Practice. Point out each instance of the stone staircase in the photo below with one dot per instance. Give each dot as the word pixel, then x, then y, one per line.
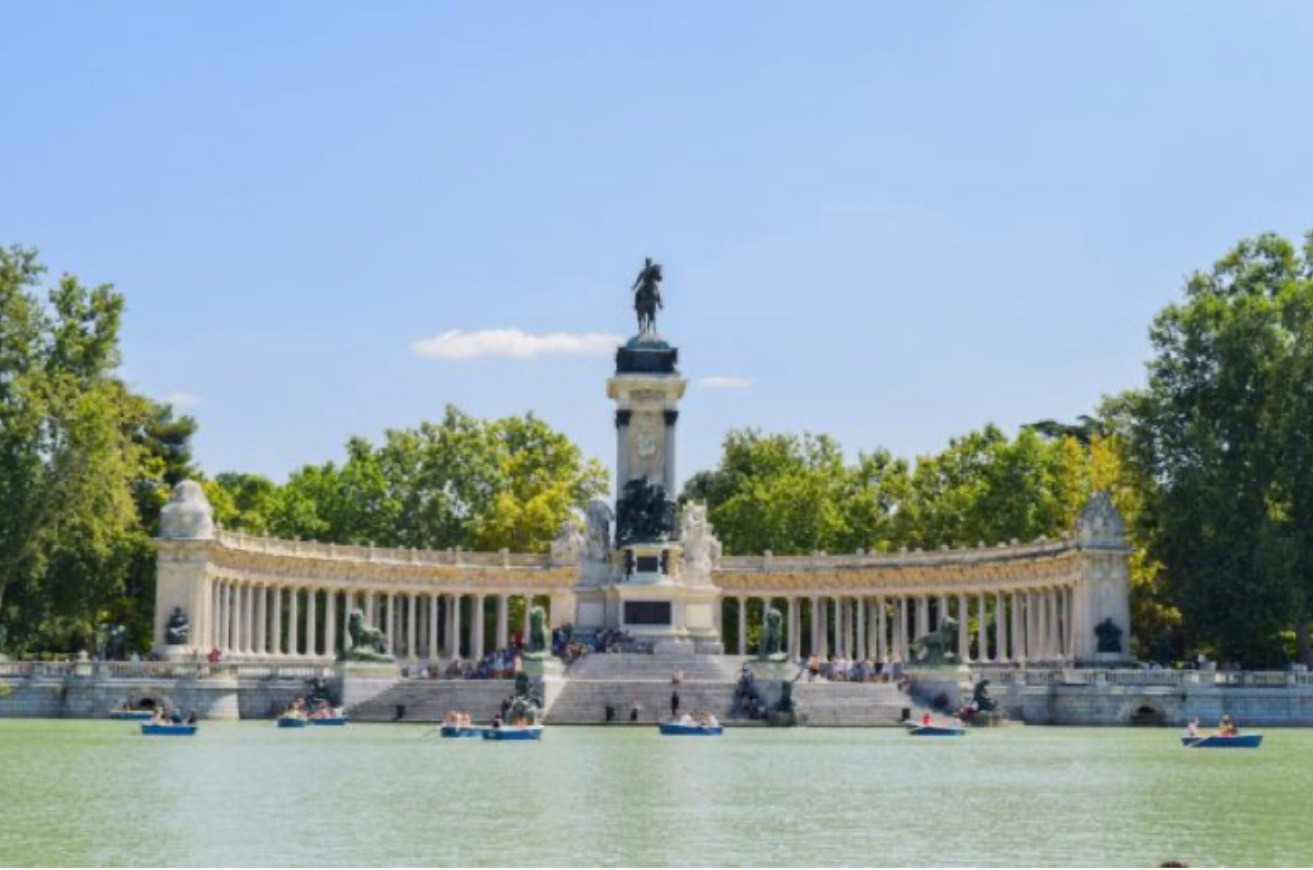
pixel 584 702
pixel 852 704
pixel 656 667
pixel 431 700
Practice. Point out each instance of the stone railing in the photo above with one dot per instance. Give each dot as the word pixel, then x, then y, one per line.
pixel 393 555
pixel 287 670
pixel 767 562
pixel 1141 677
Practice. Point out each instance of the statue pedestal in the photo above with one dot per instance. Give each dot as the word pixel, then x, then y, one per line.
pixel 939 686
pixel 175 652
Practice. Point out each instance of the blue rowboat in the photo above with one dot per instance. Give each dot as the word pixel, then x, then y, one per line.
pixel 291 722
pixel 329 720
pixel 1218 741
pixel 132 715
pixel 514 732
pixel 161 729
pixel 455 731
pixel 673 729
pixel 935 731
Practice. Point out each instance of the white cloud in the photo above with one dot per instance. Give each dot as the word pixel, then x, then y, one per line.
pixel 724 382
pixel 183 400
pixel 457 344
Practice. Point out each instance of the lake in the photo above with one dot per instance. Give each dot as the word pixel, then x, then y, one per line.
pixel 95 792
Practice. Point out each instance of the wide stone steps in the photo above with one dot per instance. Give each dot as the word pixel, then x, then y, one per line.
pixel 584 702
pixel 852 704
pixel 431 700
pixel 661 667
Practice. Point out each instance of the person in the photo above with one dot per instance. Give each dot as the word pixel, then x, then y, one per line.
pixel 677 677
pixel 1192 728
pixel 674 704
pixel 633 712
pixel 191 717
pixel 1226 727
pixel 926 721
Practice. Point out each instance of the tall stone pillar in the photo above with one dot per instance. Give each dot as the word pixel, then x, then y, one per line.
pixel 1019 627
pixel 293 621
pixel 963 628
pixel 982 630
pixel 330 623
pixel 432 650
pixel 503 622
pixel 840 642
pixel 311 622
pixel 390 630
pixel 412 631
pixel 942 611
pixel 248 617
pixel 527 625
pixel 479 619
pixel 859 607
pixel 881 643
pixel 795 628
pixel 743 625
pixel 276 635
pixel 1000 629
pixel 922 617
pixel 225 600
pixel 261 620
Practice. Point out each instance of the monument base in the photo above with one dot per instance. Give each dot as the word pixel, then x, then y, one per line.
pixel 175 652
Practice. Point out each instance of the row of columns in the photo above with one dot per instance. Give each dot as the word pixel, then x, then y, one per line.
pixel 1029 625
pixel 253 619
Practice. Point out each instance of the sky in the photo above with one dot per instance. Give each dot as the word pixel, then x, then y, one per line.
pixel 893 223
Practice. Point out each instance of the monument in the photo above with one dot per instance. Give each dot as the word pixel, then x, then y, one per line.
pixel 651 576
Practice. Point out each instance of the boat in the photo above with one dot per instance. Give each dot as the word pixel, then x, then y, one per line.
pixel 677 727
pixel 513 732
pixel 1223 741
pixel 132 715
pixel 451 730
pixel 292 721
pixel 328 720
pixel 160 729
pixel 936 730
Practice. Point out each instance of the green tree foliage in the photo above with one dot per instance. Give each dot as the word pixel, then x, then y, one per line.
pixel 68 457
pixel 463 482
pixel 1221 438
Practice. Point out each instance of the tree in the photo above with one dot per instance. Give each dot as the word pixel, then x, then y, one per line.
pixel 67 457
pixel 1221 437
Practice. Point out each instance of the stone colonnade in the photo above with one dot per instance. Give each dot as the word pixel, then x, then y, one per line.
pixel 1014 626
pixel 267 620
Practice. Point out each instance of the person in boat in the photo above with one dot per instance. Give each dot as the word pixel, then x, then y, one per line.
pixel 496 722
pixel 191 718
pixel 927 721
pixel 1226 728
pixel 1192 728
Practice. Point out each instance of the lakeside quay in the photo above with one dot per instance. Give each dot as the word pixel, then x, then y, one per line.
pixel 580 695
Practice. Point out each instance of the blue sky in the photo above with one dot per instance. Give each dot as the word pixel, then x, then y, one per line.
pixel 895 223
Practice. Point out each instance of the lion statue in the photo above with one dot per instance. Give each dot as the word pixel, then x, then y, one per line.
pixel 366 642
pixel 936 648
pixel 539 639
pixel 772 643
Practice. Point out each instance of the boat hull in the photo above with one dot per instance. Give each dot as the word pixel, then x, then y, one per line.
pixel 131 715
pixel 291 722
pixel 329 721
pixel 677 729
pixel 514 732
pixel 1217 741
pixel 156 730
pixel 455 732
pixel 935 731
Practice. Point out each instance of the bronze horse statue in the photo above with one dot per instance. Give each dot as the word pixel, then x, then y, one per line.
pixel 647 295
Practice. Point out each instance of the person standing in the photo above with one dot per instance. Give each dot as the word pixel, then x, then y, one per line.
pixel 674 704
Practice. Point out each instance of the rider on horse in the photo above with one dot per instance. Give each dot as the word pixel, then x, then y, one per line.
pixel 647 295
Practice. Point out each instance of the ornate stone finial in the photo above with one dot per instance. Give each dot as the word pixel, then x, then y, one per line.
pixel 188 515
pixel 1099 525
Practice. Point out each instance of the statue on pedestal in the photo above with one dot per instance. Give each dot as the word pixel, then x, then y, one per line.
pixel 539 641
pixel 772 643
pixel 366 642
pixel 1110 636
pixel 178 629
pixel 936 648
pixel 647 295
pixel 644 514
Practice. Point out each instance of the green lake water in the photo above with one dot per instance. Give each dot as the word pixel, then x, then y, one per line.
pixel 78 793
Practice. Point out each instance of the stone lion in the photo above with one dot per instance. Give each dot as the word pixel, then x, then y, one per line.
pixel 367 642
pixel 936 648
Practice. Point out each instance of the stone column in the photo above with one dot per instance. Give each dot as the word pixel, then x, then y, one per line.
pixel 942 611
pixel 743 625
pixel 276 632
pixel 795 627
pixel 1034 648
pixel 330 623
pixel 1000 629
pixel 432 649
pixel 881 641
pixel 412 611
pixel 528 623
pixel 248 618
pixel 859 606
pixel 503 622
pixel 223 616
pixel 311 622
pixel 456 645
pixel 390 625
pixel 669 481
pixel 261 623
pixel 293 622
pixel 840 648
pixel 922 617
pixel 370 610
pixel 982 630
pixel 477 640
pixel 1019 627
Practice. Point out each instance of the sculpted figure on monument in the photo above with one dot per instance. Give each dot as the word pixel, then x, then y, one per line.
pixel 597 537
pixel 178 628
pixel 1110 636
pixel 644 513
pixel 568 545
pixel 367 643
pixel 539 642
pixel 771 647
pixel 701 546
pixel 647 295
pixel 936 648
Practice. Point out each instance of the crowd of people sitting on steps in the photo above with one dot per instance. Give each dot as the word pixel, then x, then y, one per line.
pixel 838 669
pixel 747 699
